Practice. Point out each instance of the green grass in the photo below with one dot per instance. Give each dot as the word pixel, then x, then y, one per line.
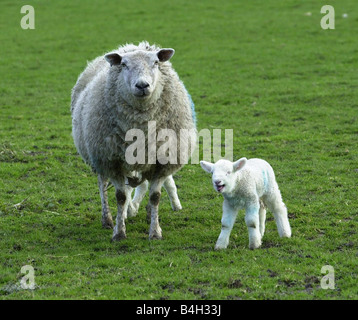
pixel 287 88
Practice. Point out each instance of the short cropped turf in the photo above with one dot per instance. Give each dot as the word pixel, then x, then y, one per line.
pixel 266 69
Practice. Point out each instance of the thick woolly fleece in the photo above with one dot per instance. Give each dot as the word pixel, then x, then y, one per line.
pixel 102 116
pixel 103 110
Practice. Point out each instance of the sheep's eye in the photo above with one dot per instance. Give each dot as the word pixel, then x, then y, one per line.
pixel 123 65
pixel 229 172
pixel 156 62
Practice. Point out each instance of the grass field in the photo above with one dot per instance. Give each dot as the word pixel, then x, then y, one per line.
pixel 265 69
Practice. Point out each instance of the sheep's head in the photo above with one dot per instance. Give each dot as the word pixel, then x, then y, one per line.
pixel 224 173
pixel 138 72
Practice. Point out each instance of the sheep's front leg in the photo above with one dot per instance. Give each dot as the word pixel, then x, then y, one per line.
pixel 123 197
pixel 171 189
pixel 107 221
pixel 253 224
pixel 155 232
pixel 227 222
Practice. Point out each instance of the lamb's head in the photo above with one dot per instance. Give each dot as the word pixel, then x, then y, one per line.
pixel 224 173
pixel 138 72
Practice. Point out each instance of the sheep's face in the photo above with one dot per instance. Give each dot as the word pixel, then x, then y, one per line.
pixel 138 71
pixel 224 173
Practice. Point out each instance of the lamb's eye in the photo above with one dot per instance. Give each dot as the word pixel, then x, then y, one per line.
pixel 123 65
pixel 227 173
pixel 156 62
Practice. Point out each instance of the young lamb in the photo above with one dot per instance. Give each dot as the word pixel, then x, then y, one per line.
pixel 250 185
pixel 123 90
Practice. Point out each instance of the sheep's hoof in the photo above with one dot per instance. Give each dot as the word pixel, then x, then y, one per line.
pixel 177 207
pixel 155 237
pixel 132 210
pixel 118 236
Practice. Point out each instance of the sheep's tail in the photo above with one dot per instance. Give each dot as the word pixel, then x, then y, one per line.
pixel 192 105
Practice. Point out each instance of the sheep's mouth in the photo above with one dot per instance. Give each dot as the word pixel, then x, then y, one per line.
pixel 220 187
pixel 141 94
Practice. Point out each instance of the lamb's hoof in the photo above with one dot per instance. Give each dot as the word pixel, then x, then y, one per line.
pixel 107 223
pixel 253 246
pixel 286 234
pixel 155 235
pixel 118 236
pixel 217 247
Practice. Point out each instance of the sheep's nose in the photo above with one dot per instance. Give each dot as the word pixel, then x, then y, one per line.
pixel 218 182
pixel 141 85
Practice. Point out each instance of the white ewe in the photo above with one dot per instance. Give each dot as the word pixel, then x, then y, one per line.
pixel 123 90
pixel 250 185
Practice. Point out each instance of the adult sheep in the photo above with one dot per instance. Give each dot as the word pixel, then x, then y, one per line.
pixel 126 89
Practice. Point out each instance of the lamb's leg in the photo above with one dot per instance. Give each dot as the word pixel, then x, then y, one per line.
pixel 253 224
pixel 139 194
pixel 262 216
pixel 107 221
pixel 122 196
pixel 171 189
pixel 155 232
pixel 227 222
pixel 279 210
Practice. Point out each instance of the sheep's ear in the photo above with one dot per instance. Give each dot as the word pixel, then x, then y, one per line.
pixel 239 164
pixel 207 166
pixel 114 59
pixel 165 54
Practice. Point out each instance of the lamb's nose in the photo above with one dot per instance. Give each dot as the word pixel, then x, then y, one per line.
pixel 142 85
pixel 218 182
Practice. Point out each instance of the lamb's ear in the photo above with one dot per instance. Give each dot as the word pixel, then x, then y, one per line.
pixel 165 54
pixel 207 166
pixel 239 164
pixel 114 59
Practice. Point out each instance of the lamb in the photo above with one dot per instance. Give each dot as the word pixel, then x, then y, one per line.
pixel 122 90
pixel 250 185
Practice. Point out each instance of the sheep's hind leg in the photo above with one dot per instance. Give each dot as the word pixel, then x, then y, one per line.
pixel 107 221
pixel 170 187
pixel 262 217
pixel 279 210
pixel 123 197
pixel 139 194
pixel 155 232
